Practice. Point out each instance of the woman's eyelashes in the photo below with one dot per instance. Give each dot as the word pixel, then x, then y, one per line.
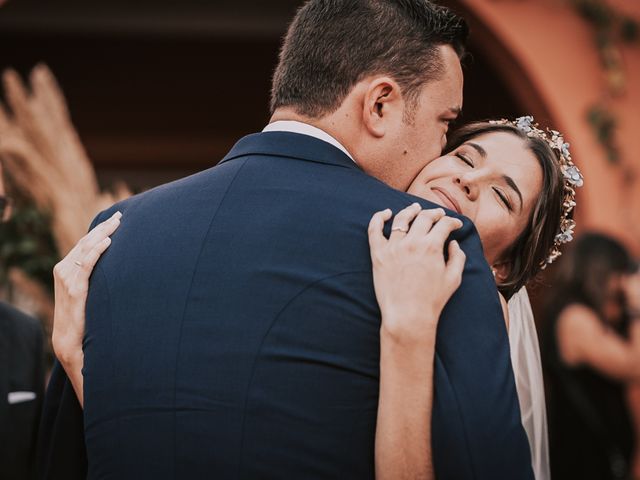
pixel 503 198
pixel 465 159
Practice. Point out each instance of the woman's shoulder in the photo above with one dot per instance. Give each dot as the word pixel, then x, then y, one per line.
pixel 578 315
pixel 577 327
pixel 578 321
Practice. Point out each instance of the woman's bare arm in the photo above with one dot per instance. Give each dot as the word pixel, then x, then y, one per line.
pixel 402 266
pixel 583 339
pixel 71 285
pixel 403 429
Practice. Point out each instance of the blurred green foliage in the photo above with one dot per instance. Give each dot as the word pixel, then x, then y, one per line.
pixel 607 21
pixel 26 242
pixel 610 26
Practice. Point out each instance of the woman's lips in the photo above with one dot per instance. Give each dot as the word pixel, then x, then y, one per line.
pixel 447 199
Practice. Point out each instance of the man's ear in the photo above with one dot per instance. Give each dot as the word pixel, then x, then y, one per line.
pixel 382 102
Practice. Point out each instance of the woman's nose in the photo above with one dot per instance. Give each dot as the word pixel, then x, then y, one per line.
pixel 468 185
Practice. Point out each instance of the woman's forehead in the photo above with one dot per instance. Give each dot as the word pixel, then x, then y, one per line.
pixel 505 150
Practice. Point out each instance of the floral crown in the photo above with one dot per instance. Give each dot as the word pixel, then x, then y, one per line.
pixel 572 178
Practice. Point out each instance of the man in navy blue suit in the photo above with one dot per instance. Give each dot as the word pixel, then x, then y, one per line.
pixel 232 327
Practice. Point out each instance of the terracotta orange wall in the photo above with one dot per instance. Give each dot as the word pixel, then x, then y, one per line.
pixel 552 47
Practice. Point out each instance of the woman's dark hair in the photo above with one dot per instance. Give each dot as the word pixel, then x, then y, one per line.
pixel 333 44
pixel 525 257
pixel 584 273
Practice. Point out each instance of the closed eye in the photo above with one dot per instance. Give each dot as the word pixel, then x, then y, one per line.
pixel 465 159
pixel 504 198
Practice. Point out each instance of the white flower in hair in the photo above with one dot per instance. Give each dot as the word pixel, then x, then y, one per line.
pixel 571 175
pixel 566 232
pixel 525 123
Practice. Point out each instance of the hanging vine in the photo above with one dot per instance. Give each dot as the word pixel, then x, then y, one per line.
pixel 611 29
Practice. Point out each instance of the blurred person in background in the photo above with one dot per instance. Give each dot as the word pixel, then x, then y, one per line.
pixel 592 351
pixel 21 382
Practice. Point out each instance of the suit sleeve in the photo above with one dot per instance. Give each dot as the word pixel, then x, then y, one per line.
pixel 476 412
pixel 61 449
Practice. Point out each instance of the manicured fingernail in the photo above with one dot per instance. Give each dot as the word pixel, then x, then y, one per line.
pixel 118 214
pixel 107 240
pixel 388 211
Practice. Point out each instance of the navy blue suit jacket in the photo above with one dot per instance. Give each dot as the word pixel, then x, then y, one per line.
pixel 233 331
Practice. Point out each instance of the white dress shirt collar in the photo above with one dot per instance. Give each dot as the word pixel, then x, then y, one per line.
pixel 294 126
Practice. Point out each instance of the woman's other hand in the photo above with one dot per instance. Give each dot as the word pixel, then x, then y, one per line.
pixel 412 280
pixel 71 285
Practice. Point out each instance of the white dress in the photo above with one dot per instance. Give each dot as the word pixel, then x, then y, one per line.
pixel 527 368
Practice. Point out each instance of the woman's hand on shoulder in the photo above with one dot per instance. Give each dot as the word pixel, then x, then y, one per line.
pixel 412 280
pixel 71 285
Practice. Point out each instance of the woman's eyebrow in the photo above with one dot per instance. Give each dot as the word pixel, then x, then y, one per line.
pixel 478 148
pixel 514 187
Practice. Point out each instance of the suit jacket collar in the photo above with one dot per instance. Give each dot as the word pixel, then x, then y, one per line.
pixel 292 145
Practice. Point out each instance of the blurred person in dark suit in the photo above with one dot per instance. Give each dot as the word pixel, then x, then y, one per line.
pixel 592 350
pixel 21 382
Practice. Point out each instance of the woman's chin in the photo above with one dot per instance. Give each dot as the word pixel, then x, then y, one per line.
pixel 427 194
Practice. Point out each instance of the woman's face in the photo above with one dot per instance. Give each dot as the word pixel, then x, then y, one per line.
pixel 493 179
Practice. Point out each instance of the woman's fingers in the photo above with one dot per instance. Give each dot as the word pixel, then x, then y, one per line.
pixel 91 258
pixel 94 237
pixel 99 233
pixel 401 222
pixel 424 222
pixel 413 223
pixel 455 264
pixel 376 227
pixel 79 262
pixel 441 231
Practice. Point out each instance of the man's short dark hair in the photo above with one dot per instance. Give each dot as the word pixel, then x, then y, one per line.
pixel 333 44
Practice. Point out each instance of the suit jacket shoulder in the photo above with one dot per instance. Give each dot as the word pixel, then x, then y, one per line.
pixel 236 308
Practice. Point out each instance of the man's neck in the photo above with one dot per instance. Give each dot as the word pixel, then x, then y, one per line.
pixel 327 124
pixel 343 126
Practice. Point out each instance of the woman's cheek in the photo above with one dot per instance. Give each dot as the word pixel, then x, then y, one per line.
pixel 487 229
